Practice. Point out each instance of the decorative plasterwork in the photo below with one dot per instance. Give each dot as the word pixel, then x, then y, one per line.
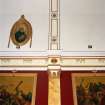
pixel 21 32
pixel 54 25
pixel 23 62
pixel 83 61
pixel 52 62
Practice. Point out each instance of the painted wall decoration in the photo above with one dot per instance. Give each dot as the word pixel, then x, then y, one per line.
pixel 18 88
pixel 21 33
pixel 88 88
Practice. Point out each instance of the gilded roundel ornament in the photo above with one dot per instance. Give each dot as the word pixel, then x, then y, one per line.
pixel 21 32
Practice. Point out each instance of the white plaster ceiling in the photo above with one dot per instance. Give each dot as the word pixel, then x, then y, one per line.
pixel 82 24
pixel 35 11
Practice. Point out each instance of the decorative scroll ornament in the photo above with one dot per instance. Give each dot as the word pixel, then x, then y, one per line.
pixel 21 33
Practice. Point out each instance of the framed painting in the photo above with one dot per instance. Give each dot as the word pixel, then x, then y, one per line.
pixel 18 88
pixel 88 88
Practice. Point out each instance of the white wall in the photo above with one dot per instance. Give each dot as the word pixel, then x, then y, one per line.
pixel 82 23
pixel 35 11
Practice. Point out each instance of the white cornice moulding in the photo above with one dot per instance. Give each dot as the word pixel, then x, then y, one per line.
pixel 52 62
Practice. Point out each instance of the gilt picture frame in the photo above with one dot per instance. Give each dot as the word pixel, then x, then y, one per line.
pixel 18 88
pixel 88 88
